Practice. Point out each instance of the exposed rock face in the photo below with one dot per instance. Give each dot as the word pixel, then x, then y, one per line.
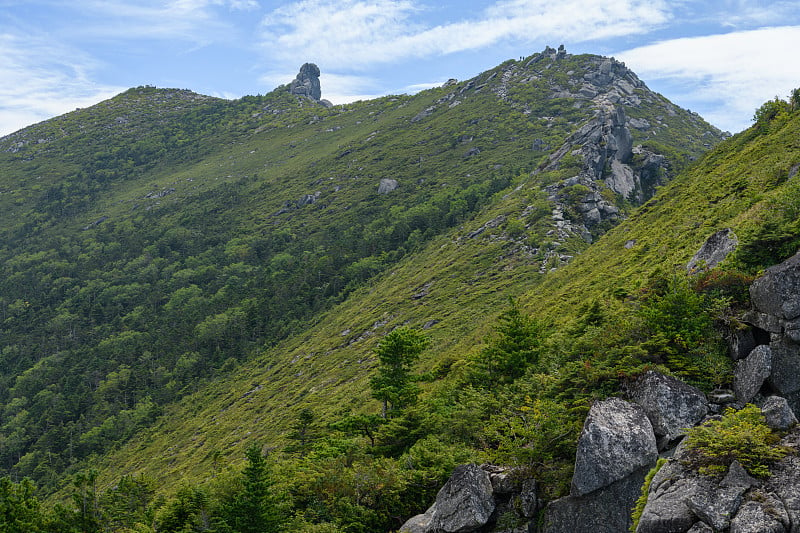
pixel 678 498
pixel 307 82
pixel 603 511
pixel 601 142
pixel 617 440
pixel 670 404
pixel 605 147
pixel 714 250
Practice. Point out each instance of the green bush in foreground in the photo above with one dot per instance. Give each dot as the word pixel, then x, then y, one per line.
pixel 739 435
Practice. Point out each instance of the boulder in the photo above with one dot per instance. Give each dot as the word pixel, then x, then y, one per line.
pixel 670 404
pixel 387 185
pixel 527 502
pixel 714 250
pixel 607 510
pixel 617 440
pixel 777 413
pixel 667 509
pixel 784 376
pixel 777 292
pixel 766 516
pixel 679 497
pixel 420 523
pixel 465 503
pixel 751 372
pixel 717 506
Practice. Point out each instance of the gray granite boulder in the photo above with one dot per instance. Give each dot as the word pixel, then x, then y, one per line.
pixel 777 292
pixel 767 515
pixel 465 503
pixel 777 413
pixel 714 250
pixel 751 372
pixel 420 523
pixel 617 440
pixel 387 185
pixel 607 510
pixel 785 374
pixel 667 509
pixel 785 484
pixel 679 498
pixel 670 404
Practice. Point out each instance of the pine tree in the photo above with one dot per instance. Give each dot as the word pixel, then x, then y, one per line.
pixel 394 385
pixel 254 508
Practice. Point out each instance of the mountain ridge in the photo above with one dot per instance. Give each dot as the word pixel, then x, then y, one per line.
pixel 237 260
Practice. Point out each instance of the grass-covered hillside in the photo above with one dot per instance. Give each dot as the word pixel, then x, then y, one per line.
pixel 186 277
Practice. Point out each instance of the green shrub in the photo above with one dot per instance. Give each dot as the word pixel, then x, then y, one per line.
pixel 638 508
pixel 739 435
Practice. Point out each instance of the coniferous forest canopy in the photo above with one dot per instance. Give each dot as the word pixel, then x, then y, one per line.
pixel 211 319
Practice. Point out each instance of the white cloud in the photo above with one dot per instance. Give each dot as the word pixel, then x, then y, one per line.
pixel 42 79
pixel 745 14
pixel 724 77
pixel 358 33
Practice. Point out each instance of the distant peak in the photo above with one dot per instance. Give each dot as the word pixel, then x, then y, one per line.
pixel 307 82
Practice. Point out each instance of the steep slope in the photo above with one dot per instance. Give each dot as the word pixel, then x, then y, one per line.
pixel 455 283
pixel 155 242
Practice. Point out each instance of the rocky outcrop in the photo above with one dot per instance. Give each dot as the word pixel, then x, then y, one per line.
pixel 473 499
pixel 609 160
pixel 465 503
pixel 682 500
pixel 775 297
pixel 307 82
pixel 602 511
pixel 616 441
pixel 670 404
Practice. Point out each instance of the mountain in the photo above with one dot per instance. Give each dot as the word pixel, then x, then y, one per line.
pixel 185 276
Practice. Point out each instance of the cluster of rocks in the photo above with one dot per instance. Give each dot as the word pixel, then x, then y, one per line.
pixel 682 500
pixel 622 438
pixel 477 499
pixel 605 148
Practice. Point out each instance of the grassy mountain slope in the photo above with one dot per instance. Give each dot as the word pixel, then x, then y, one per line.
pixel 465 282
pixel 175 258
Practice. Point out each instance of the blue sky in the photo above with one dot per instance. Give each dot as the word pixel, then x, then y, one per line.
pixel 721 58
